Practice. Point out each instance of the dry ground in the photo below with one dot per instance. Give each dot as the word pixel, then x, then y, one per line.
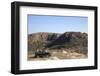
pixel 58 55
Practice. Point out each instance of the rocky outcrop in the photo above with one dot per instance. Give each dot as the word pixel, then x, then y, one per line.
pixel 57 40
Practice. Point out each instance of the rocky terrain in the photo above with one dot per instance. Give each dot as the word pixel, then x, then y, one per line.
pixel 68 45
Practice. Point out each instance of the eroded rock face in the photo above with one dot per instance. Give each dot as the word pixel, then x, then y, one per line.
pixel 57 40
pixel 43 36
pixel 70 38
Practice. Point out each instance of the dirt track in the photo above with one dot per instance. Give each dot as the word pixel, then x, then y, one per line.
pixel 59 56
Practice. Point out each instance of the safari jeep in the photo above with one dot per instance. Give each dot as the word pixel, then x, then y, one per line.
pixel 42 54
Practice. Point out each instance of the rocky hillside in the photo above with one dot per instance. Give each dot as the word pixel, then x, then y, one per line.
pixel 43 36
pixel 70 39
pixel 57 41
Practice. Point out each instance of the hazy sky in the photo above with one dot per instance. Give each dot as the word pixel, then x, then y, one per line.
pixel 57 24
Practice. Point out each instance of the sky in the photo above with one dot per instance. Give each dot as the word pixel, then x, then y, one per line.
pixel 57 24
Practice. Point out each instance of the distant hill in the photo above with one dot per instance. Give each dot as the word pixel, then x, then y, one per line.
pixel 43 36
pixel 57 40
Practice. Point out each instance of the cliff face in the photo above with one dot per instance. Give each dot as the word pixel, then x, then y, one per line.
pixel 43 36
pixel 71 39
pixel 56 40
pixel 41 40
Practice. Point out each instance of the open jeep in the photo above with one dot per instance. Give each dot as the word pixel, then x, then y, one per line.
pixel 42 54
